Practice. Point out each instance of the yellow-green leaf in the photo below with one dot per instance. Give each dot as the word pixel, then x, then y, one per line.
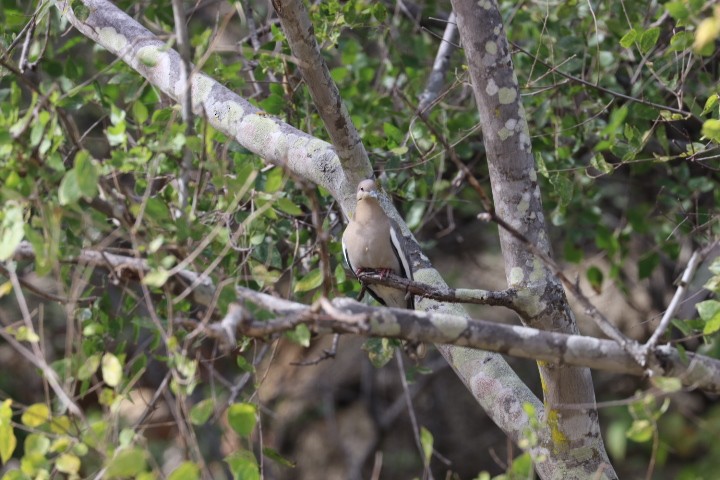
pixel 68 463
pixel 8 441
pixel 5 288
pixel 286 205
pixel 711 129
pixel 641 431
pixel 709 311
pixel 127 462
pixel 426 440
pixel 35 415
pixel 310 281
pixel 706 33
pixel 88 368
pixel 111 370
pixel 628 39
pixel 200 412
pixel 275 180
pixel 12 229
pixel 186 471
pixel 241 417
pixel 667 384
pixel 243 465
pixel 37 444
pixel 156 278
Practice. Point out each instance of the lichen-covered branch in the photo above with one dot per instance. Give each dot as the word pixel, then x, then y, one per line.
pixel 342 315
pixel 325 94
pixel 517 201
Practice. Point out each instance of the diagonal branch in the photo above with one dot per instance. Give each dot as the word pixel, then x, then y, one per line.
pixel 325 94
pixel 343 315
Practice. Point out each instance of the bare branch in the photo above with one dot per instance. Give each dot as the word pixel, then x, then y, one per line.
pixel 504 298
pixel 603 89
pixel 687 276
pixel 440 66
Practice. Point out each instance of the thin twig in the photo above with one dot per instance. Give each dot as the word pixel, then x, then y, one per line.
pixel 605 90
pixel 692 265
pixel 427 473
pixel 36 357
pixel 47 295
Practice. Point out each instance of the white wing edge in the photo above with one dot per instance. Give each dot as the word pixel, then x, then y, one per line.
pixel 399 248
pixel 347 258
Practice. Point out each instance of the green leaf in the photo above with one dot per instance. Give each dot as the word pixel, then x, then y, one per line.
pixel 647 265
pixel 705 34
pixel 140 111
pixel 380 351
pixel 426 440
pixel 711 130
pixel 521 466
pixel 286 205
pixel 598 161
pixel 275 180
pixel 681 41
pixel 89 367
pixel 393 133
pixel 628 39
pixel 127 462
pixel 8 442
pixel 415 214
pixel 709 311
pixel 86 174
pixel 37 443
pixel 201 411
pixel 68 463
pixel 243 364
pixel 617 440
pixel 156 278
pixel 338 74
pixel 12 229
pixel 186 471
pixel 111 370
pixel 243 465
pixel 541 166
pixel 667 384
pixel 80 10
pixel 640 431
pixel 300 335
pixel 648 39
pixel 677 9
pixel 242 418
pixel 35 415
pixel 309 282
pixel 69 191
pixel 595 277
pixel 710 103
pixel 276 457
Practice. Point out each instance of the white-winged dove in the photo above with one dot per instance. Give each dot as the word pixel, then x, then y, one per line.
pixel 373 241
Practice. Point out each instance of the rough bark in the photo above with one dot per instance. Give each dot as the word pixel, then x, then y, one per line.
pixel 575 438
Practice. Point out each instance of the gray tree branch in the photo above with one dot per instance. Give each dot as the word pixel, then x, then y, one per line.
pixel 517 202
